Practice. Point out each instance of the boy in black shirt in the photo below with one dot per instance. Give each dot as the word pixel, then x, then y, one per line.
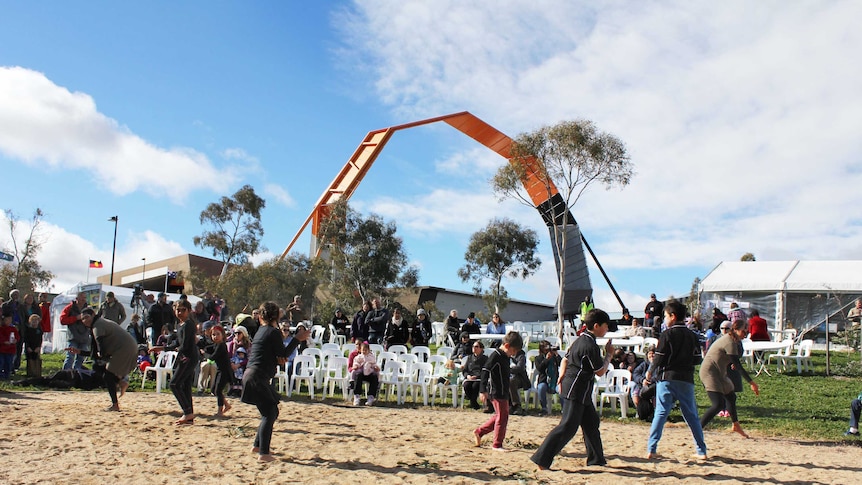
pixel 495 386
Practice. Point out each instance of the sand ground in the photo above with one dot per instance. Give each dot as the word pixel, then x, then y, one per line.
pixel 66 437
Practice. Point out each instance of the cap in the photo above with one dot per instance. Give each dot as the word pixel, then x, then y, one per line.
pixel 420 311
pixel 241 317
pixel 241 349
pixel 652 295
pixel 465 335
pixel 725 324
pixel 471 315
pixel 109 294
pixel 162 293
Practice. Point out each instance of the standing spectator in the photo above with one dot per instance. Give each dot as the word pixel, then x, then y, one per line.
pixel 757 327
pixel 112 309
pixel 376 319
pixel 45 309
pixel 672 368
pixel 653 310
pixel 161 315
pixel 136 330
pixel 397 331
pixel 453 326
pixel 586 306
pixel 115 352
pixel 496 327
pixel 495 387
pixel 267 353
pixel 295 313
pixel 79 335
pixel 736 313
pixel 9 338
pixel 185 363
pixel 33 346
pixel 200 315
pixel 582 364
pixel 855 317
pixel 18 312
pixel 421 332
pixel 359 329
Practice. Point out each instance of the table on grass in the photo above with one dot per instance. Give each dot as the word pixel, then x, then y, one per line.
pixel 758 350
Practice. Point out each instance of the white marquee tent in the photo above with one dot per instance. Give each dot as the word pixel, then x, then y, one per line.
pixel 797 293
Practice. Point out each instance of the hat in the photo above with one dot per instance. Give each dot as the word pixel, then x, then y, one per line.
pixel 241 317
pixel 471 315
pixel 162 293
pixel 241 330
pixel 465 335
pixel 241 349
pixel 725 324
pixel 652 295
pixel 420 311
pixel 208 325
pixel 109 294
pixel 338 310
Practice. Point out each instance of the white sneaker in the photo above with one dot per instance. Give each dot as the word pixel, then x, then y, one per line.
pixel 370 401
pixel 356 400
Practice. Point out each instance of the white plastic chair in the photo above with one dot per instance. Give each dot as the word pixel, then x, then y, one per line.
pixel 617 390
pixel 317 354
pixel 419 377
pixel 335 337
pixel 438 332
pixel 397 349
pixel 336 373
pixel 163 369
pixel 422 352
pixel 317 333
pixel 409 361
pixel 385 357
pixel 390 380
pixel 281 377
pixel 444 351
pixel 554 341
pixel 347 348
pixel 304 367
pixel 376 349
pixel 781 364
pixel 802 357
pixel 330 346
pixel 326 355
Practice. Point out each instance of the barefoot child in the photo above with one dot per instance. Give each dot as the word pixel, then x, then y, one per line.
pixel 224 372
pixel 494 386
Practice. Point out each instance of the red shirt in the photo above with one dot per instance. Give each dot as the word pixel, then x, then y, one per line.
pixel 7 342
pixel 757 329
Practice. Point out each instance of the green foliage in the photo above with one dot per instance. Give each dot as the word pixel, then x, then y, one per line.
pixel 502 248
pixel 366 255
pixel 748 257
pixel 237 229
pixel 24 273
pixel 246 286
pixel 562 160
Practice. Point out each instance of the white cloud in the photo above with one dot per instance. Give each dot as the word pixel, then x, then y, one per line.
pixel 280 194
pixel 743 128
pixel 43 123
pixel 250 162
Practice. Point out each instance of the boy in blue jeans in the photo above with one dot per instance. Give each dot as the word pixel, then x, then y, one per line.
pixel 494 386
pixel 672 369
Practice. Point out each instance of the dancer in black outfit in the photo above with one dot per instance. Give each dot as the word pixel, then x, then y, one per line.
pixel 582 363
pixel 267 352
pixel 186 362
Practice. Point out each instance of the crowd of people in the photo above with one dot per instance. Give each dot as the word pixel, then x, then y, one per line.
pixel 220 358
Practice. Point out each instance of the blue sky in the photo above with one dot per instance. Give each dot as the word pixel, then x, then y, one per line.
pixel 742 120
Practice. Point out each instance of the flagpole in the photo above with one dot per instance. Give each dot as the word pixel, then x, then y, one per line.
pixel 167 270
pixel 88 272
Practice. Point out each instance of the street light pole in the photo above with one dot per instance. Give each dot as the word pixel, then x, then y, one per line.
pixel 115 220
pixel 143 272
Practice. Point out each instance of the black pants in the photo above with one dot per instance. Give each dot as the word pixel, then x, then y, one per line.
pixel 111 383
pixel 268 415
pixel 181 384
pixel 575 415
pixel 471 392
pixel 220 382
pixel 719 402
pixel 373 383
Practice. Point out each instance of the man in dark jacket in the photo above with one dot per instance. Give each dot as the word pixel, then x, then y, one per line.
pixel 161 314
pixel 376 319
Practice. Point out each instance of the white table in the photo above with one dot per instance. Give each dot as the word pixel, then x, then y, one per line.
pixel 487 336
pixel 759 349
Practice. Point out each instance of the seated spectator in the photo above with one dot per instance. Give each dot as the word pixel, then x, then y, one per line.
pixel 644 409
pixel 453 326
pixel 855 410
pixel 341 324
pixel 451 376
pixel 463 348
pixel 518 379
pixel 758 331
pixel 287 338
pixel 144 359
pixel 547 365
pixel 365 369
pixel 631 361
pixel 635 330
pixel 471 369
pixel 618 361
pixel 496 327
pixel 471 325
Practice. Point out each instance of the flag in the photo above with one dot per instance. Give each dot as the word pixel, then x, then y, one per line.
pixel 95 264
pixel 172 275
pixel 6 256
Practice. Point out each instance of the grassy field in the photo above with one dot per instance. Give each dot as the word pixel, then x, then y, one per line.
pixel 812 407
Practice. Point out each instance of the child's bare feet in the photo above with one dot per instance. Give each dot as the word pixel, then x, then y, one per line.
pixel 477 439
pixel 265 458
pixel 255 449
pixel 123 386
pixel 651 456
pixel 227 406
pixel 736 428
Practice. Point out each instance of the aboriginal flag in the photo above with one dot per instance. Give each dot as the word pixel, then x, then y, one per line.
pixel 95 264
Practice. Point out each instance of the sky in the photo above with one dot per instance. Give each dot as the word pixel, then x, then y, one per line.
pixel 742 121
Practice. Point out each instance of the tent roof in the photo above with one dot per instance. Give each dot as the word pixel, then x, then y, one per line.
pixel 799 276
